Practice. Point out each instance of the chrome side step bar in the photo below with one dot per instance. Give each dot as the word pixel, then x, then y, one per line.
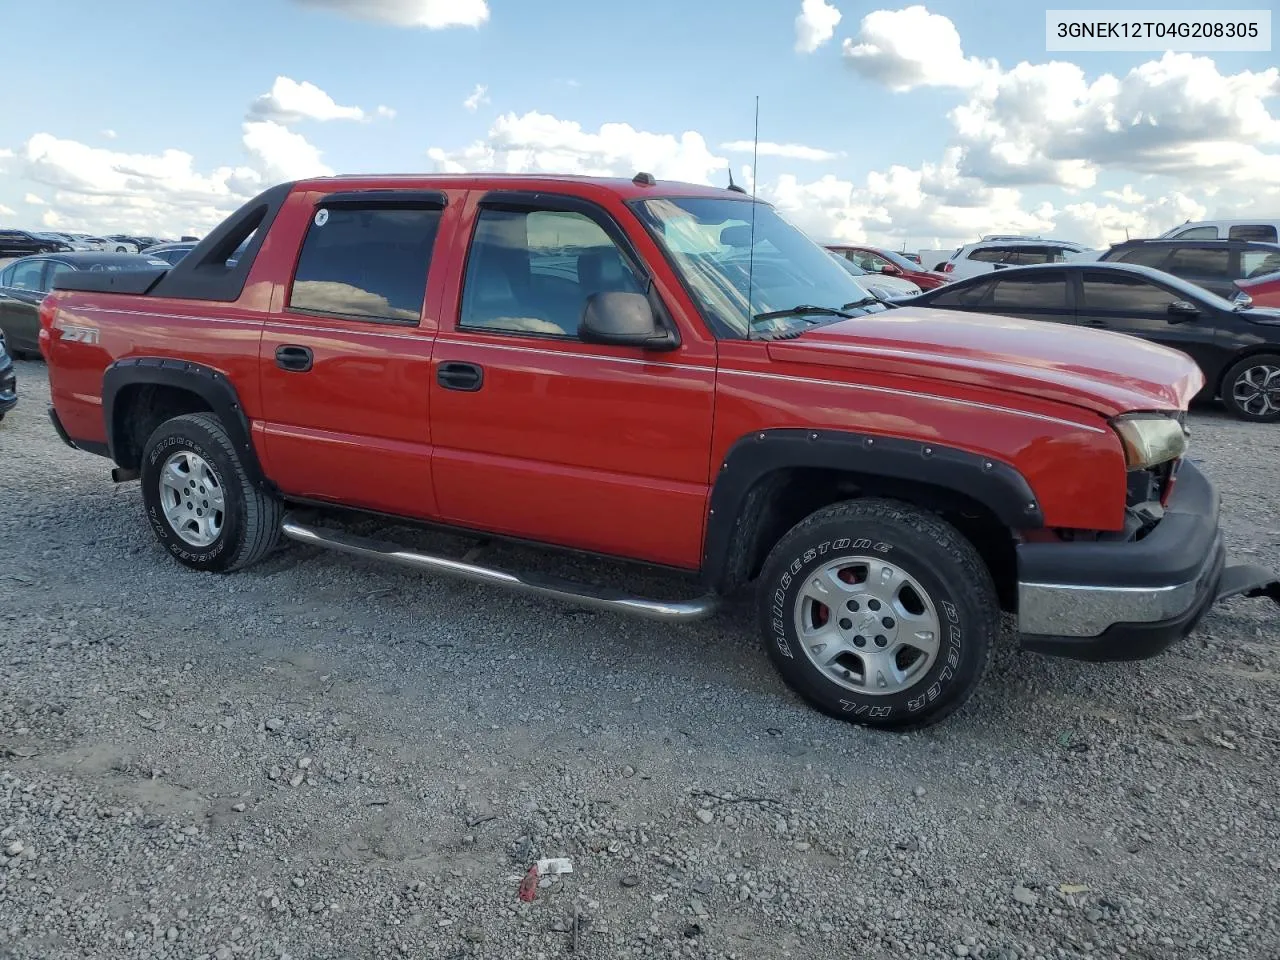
pixel 583 595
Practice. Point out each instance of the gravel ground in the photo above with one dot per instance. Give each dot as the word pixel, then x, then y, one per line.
pixel 321 758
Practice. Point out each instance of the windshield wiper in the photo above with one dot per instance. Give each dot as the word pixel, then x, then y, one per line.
pixel 805 310
pixel 864 302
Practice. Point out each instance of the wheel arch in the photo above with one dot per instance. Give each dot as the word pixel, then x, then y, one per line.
pixel 771 480
pixel 140 393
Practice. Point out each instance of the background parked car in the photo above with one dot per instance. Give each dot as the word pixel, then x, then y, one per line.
pixel 1262 291
pixel 8 380
pixel 65 239
pixel 1237 347
pixel 886 288
pixel 999 253
pixel 171 253
pixel 1268 231
pixel 20 243
pixel 1213 264
pixel 887 263
pixel 24 283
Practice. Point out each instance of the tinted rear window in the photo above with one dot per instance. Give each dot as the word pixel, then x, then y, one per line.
pixel 1122 294
pixel 1253 231
pixel 1200 262
pixel 1044 291
pixel 366 263
pixel 1143 256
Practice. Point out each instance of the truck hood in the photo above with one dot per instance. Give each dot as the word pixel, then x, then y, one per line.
pixel 1108 373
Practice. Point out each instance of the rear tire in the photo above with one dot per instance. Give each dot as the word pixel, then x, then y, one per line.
pixel 201 504
pixel 911 614
pixel 1251 388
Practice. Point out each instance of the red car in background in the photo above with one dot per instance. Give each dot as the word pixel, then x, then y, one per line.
pixel 1264 290
pixel 891 264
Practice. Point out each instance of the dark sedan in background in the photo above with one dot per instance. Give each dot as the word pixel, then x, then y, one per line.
pixel 1237 346
pixel 24 283
pixel 21 243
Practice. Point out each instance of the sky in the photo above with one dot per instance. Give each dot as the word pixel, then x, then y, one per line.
pixel 905 125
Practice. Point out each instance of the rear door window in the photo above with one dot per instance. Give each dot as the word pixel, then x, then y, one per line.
pixel 1144 256
pixel 1122 294
pixel 1206 263
pixel 28 275
pixel 1039 291
pixel 968 295
pixel 366 263
pixel 1198 233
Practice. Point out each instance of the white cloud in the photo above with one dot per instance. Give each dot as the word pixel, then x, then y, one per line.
pixel 108 134
pixel 1125 194
pixel 792 151
pixel 815 24
pixel 541 143
pixel 99 189
pixel 385 112
pixel 7 211
pixel 33 200
pixel 432 14
pixel 909 48
pixel 289 101
pixel 479 95
pixel 282 154
pixel 1177 116
pixel 1050 124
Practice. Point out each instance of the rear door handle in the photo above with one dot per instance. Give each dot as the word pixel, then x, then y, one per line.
pixel 455 375
pixel 294 358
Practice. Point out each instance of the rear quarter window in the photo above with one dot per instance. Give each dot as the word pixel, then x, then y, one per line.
pixel 987 255
pixel 1266 233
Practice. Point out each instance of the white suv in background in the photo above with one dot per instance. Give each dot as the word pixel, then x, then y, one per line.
pixel 995 253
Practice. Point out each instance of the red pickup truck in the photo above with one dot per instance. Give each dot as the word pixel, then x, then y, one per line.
pixel 661 373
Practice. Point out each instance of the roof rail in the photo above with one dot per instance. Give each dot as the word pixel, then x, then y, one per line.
pixel 1008 236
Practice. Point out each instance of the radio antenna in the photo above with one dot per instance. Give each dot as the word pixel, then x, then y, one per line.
pixel 755 178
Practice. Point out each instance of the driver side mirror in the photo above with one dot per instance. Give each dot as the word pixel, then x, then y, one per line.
pixel 620 319
pixel 1181 311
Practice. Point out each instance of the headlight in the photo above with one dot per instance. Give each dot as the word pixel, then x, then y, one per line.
pixel 1150 439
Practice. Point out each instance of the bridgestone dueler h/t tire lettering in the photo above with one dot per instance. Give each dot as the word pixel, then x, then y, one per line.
pixel 868 582
pixel 250 521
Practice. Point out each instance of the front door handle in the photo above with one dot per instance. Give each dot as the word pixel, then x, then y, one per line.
pixel 455 375
pixel 293 358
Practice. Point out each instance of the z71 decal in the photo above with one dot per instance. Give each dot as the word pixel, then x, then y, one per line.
pixel 74 333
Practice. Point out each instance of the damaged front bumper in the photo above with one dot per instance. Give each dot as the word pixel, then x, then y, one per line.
pixel 1128 600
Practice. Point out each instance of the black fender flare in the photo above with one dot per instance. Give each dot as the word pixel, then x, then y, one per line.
pixel 208 384
pixel 743 485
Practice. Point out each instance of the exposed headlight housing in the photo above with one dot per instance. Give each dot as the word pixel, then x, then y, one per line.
pixel 1150 439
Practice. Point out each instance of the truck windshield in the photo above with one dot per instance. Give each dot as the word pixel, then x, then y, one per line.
pixel 709 241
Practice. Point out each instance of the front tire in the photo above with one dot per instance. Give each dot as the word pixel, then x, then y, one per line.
pixel 1251 388
pixel 201 504
pixel 878 613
